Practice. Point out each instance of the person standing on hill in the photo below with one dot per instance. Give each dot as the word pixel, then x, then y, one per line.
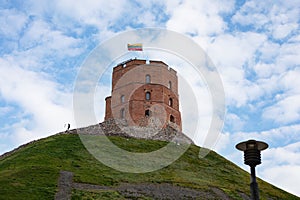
pixel 68 127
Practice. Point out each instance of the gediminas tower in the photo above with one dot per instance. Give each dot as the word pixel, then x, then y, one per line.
pixel 144 94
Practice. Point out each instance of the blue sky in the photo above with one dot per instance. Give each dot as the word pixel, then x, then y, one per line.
pixel 255 45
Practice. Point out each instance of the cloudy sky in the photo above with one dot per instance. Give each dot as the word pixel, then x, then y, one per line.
pixel 255 46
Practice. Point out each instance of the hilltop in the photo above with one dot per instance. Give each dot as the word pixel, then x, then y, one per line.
pixel 34 171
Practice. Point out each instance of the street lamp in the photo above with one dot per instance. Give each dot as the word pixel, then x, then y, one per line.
pixel 252 149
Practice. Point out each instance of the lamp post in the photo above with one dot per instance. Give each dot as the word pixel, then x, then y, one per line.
pixel 252 149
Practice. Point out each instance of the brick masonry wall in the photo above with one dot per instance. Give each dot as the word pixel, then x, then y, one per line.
pixel 129 81
pixel 108 111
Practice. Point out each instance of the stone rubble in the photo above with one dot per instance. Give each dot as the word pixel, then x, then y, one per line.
pixel 113 127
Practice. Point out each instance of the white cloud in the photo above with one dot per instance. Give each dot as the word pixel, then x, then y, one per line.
pixel 269 52
pixel 282 166
pixel 288 56
pixel 223 142
pixel 202 16
pixel 278 19
pixel 40 40
pixel 285 177
pixel 295 38
pixel 230 53
pixel 290 81
pixel 276 137
pixel 264 70
pixel 4 110
pixel 283 30
pixel 285 137
pixel 101 93
pixel 252 12
pixel 45 107
pixel 288 154
pixel 11 23
pixel 97 13
pixel 286 110
pixel 234 121
pixel 233 50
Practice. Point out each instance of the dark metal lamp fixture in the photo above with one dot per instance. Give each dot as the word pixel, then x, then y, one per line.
pixel 252 149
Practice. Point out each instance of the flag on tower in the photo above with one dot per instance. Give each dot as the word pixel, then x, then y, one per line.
pixel 135 47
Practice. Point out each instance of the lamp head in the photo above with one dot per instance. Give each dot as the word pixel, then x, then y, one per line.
pixel 252 149
pixel 252 144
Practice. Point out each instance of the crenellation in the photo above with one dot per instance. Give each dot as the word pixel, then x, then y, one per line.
pixel 118 67
pixel 172 71
pixel 135 62
pixel 157 62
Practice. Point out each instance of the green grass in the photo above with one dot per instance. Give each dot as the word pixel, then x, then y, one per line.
pixel 32 172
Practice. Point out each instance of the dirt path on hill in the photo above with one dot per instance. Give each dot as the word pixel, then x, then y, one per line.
pixel 134 191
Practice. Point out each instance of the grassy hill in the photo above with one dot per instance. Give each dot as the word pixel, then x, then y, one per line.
pixel 32 172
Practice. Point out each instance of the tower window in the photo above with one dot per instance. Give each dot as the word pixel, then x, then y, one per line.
pixel 171 102
pixel 147 113
pixel 170 85
pixel 122 113
pixel 148 95
pixel 148 78
pixel 122 99
pixel 172 119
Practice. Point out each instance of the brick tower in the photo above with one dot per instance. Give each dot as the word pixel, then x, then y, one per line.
pixel 144 94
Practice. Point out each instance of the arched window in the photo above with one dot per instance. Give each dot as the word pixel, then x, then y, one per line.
pixel 172 119
pixel 148 95
pixel 122 99
pixel 148 78
pixel 170 85
pixel 122 113
pixel 171 102
pixel 147 113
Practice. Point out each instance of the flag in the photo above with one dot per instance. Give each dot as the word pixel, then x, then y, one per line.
pixel 135 47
